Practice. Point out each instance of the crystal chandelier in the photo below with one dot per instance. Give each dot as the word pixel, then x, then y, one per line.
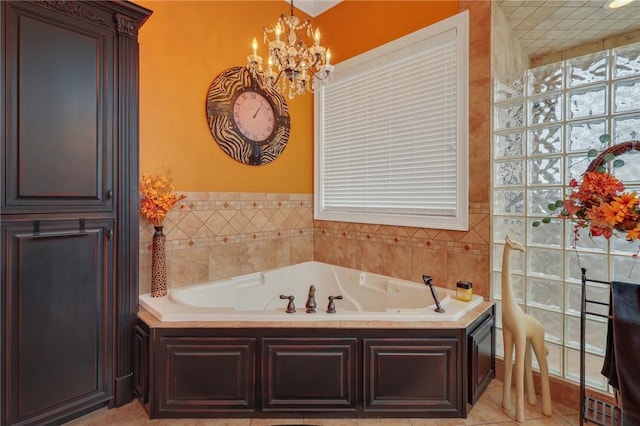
pixel 291 65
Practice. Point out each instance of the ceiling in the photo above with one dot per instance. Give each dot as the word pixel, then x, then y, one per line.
pixel 545 26
pixel 314 7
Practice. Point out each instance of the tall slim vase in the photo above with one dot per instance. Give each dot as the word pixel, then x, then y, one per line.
pixel 158 264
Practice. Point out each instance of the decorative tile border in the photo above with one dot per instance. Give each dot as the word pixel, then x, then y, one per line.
pixel 474 241
pixel 206 220
pixel 217 218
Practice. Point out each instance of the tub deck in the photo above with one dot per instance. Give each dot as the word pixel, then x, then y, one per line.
pixel 292 322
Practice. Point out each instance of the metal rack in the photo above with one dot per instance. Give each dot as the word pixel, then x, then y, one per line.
pixel 593 410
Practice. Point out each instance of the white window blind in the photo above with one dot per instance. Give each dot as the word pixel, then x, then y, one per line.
pixel 391 133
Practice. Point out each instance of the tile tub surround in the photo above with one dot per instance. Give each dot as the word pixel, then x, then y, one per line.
pixel 408 253
pixel 215 235
pixel 211 236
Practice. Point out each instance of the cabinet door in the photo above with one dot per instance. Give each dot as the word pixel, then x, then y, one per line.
pixel 309 374
pixel 56 285
pixel 413 374
pixel 203 375
pixel 141 364
pixel 59 93
pixel 482 359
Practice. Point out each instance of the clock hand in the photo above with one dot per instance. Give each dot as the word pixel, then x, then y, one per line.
pixel 258 110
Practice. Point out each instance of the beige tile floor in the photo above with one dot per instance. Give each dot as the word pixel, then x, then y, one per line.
pixel 487 411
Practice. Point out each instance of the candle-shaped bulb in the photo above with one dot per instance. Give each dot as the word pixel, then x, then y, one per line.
pixel 278 31
pixel 254 44
pixel 316 36
pixel 328 57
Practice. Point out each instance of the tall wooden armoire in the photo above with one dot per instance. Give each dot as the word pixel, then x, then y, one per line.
pixel 69 222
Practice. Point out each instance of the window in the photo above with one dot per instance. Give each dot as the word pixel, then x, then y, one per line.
pixel 391 133
pixel 545 122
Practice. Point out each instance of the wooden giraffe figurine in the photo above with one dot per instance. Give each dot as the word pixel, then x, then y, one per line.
pixel 524 332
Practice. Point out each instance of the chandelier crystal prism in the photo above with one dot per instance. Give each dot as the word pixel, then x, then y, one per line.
pixel 291 64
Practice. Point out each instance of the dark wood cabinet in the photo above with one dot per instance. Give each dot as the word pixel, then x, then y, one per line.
pixel 482 360
pixel 68 204
pixel 408 375
pixel 55 348
pixel 216 371
pixel 205 374
pixel 313 374
pixel 60 92
pixel 141 364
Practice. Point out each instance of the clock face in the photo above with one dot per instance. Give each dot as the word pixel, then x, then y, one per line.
pixel 250 123
pixel 253 116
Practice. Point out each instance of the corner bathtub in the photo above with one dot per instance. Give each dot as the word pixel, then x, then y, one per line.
pixel 256 297
pixel 228 348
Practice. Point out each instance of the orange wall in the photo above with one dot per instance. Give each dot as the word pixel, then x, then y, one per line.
pixel 356 26
pixel 185 44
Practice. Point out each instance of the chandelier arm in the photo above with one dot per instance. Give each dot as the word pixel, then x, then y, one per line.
pixel 275 81
pixel 316 60
pixel 310 66
pixel 280 61
pixel 318 76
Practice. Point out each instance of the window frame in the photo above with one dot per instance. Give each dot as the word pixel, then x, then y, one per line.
pixel 432 34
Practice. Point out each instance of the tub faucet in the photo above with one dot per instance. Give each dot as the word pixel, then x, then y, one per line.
pixel 427 280
pixel 291 308
pixel 331 308
pixel 311 301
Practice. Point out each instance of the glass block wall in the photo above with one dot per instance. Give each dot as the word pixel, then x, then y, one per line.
pixel 544 122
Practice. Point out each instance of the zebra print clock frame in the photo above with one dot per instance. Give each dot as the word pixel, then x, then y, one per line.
pixel 250 123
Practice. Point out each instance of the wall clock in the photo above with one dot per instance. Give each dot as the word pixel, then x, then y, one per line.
pixel 250 123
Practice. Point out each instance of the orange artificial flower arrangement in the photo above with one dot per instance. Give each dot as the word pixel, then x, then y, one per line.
pixel 599 202
pixel 158 198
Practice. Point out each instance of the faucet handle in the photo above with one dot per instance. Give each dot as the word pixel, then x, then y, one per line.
pixel 331 308
pixel 310 307
pixel 290 306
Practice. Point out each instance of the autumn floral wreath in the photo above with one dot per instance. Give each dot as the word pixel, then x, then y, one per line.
pixel 599 201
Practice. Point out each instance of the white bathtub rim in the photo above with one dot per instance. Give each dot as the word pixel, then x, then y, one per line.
pixel 170 309
pixel 231 315
pixel 165 310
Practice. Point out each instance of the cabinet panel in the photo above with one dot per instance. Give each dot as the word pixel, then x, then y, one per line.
pixel 411 374
pixel 60 118
pixel 141 364
pixel 350 372
pixel 58 313
pixel 69 157
pixel 309 374
pixel 206 374
pixel 481 358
